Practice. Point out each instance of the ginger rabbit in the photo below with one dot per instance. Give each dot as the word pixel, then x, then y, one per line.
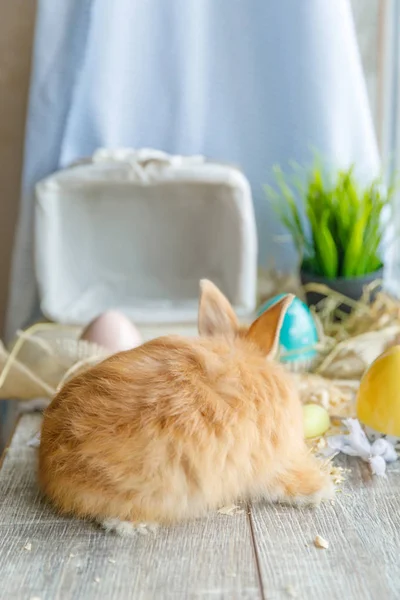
pixel 180 426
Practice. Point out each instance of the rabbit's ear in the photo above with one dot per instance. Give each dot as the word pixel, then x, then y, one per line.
pixel 266 329
pixel 216 315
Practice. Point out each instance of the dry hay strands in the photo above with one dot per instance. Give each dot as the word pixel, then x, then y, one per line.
pixel 51 353
pixel 335 395
pixel 374 310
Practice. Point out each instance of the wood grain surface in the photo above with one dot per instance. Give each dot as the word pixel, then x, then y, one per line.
pixel 363 531
pixel 72 559
pixel 265 552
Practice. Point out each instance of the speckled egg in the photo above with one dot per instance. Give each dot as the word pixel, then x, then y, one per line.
pixel 112 330
pixel 298 335
pixel 378 398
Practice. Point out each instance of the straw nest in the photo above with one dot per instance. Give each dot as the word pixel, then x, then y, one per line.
pixel 43 357
pixel 348 343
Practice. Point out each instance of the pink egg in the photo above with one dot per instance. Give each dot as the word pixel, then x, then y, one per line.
pixel 112 330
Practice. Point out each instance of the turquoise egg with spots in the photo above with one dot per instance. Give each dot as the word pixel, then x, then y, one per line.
pixel 298 334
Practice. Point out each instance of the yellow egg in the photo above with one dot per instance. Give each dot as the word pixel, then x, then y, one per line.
pixel 378 399
pixel 316 420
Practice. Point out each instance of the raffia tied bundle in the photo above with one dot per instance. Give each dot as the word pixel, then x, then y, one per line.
pixel 41 358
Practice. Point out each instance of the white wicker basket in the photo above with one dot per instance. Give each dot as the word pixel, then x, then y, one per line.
pixel 136 231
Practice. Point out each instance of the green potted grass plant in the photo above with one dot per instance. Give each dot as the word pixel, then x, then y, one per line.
pixel 336 225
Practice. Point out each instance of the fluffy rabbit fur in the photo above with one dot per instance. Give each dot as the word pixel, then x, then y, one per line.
pixel 180 426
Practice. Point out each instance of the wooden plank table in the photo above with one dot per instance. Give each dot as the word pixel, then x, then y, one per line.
pixel 264 552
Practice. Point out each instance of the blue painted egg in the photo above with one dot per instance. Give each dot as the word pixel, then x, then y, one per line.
pixel 298 332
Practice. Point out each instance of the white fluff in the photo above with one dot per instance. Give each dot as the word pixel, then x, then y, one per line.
pixel 356 443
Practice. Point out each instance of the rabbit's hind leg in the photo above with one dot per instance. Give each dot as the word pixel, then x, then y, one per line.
pixel 304 482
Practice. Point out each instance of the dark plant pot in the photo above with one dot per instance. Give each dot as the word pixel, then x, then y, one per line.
pixel 352 288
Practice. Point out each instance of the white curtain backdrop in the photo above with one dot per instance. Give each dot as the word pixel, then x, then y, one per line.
pixel 255 82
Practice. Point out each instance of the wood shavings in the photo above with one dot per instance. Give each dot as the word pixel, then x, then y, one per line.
pixel 336 396
pixel 319 446
pixel 321 543
pixel 231 509
pixel 28 547
pixel 337 474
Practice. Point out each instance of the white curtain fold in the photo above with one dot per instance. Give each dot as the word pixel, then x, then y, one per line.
pixel 254 82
